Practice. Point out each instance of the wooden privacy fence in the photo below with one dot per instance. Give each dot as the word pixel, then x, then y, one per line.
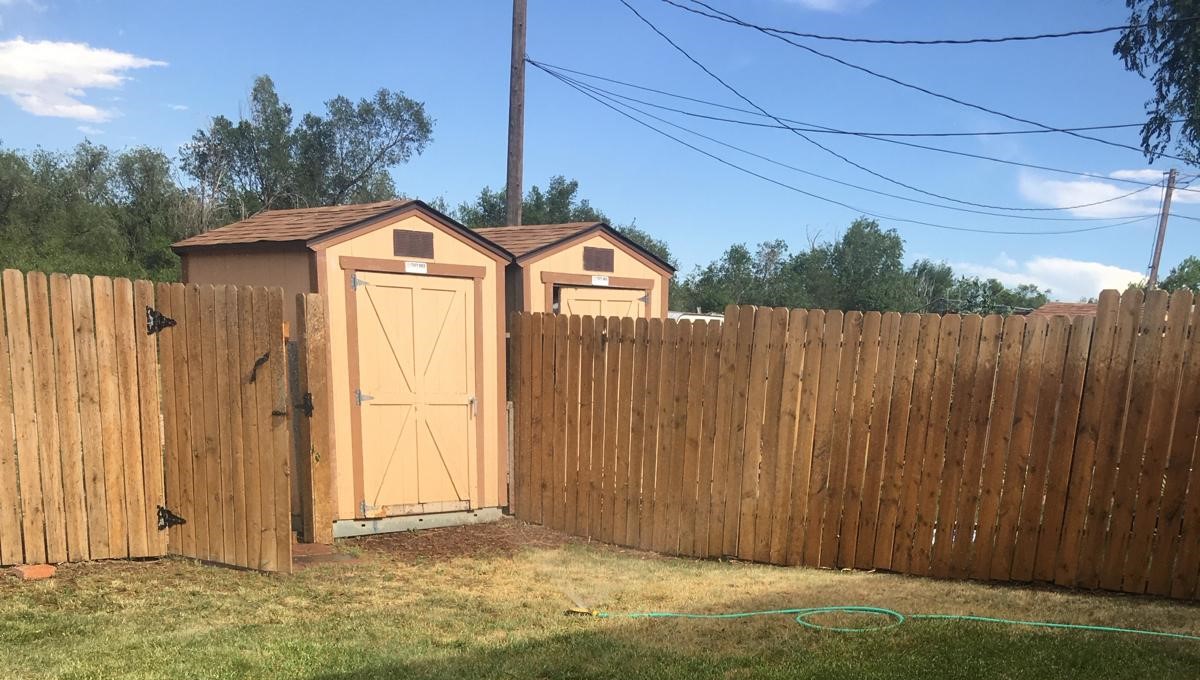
pixel 225 424
pixel 1004 449
pixel 80 468
pixel 103 423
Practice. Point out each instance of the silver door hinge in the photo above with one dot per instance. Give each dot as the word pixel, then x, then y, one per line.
pixel 645 298
pixel 355 282
pixel 363 507
pixel 359 397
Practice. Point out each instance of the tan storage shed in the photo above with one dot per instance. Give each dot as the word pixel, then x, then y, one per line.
pixel 581 268
pixel 414 304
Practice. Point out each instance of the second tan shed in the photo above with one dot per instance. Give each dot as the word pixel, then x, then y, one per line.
pixel 581 268
pixel 414 309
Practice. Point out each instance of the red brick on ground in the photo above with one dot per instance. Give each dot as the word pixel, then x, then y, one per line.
pixel 34 572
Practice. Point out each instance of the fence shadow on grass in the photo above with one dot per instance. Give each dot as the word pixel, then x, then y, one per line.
pixel 776 647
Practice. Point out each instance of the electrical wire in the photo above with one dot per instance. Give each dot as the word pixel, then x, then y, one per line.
pixel 848 206
pixel 806 138
pixel 823 129
pixel 975 40
pixel 876 191
pixel 971 41
pixel 720 15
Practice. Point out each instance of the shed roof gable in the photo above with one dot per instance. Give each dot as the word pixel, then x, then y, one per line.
pixel 310 227
pixel 532 241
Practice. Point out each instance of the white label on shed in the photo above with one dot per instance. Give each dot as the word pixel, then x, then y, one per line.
pixel 599 280
pixel 416 267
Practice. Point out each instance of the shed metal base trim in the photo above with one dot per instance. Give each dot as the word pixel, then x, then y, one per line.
pixel 348 528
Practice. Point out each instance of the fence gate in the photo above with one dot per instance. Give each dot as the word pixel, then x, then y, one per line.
pixel 226 428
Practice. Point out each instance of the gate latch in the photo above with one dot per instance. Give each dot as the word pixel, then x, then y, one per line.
pixel 168 519
pixel 157 321
pixel 306 405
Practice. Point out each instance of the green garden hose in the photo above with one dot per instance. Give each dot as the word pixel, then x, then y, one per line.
pixel 892 619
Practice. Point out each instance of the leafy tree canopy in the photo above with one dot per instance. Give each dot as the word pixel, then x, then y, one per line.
pixel 92 210
pixel 558 203
pixel 1164 42
pixel 862 270
pixel 1186 274
pixel 264 161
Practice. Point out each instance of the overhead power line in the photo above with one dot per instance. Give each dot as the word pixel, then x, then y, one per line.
pixel 821 129
pixel 857 186
pixel 726 17
pixel 961 41
pixel 848 206
pixel 803 136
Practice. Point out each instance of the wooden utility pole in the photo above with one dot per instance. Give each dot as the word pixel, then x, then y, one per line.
pixel 1152 282
pixel 516 116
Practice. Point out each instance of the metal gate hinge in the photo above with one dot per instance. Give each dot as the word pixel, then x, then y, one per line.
pixel 363 507
pixel 359 397
pixel 355 282
pixel 168 519
pixel 157 321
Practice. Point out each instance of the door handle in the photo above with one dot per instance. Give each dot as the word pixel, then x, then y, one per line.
pixel 474 406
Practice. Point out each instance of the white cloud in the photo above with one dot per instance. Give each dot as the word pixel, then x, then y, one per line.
pixel 1067 279
pixel 177 107
pixel 1054 192
pixel 89 130
pixel 48 78
pixel 833 5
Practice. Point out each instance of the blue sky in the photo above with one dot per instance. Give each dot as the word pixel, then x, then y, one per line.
pixel 153 72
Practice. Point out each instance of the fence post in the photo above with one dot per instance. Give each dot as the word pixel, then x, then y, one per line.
pixel 313 462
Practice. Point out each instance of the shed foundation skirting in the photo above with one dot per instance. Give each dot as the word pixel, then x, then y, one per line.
pixel 386 525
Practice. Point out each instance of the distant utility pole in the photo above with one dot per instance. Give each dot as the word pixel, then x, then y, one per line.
pixel 1152 282
pixel 516 115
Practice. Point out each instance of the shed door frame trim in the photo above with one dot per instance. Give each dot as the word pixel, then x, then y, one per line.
pixel 350 265
pixel 552 279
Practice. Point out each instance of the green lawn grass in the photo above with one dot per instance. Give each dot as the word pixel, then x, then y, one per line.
pixel 466 603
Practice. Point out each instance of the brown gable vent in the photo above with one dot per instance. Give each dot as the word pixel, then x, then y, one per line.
pixel 409 243
pixel 597 259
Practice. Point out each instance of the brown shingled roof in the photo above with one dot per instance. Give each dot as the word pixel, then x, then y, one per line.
pixel 283 226
pixel 530 237
pixel 1071 309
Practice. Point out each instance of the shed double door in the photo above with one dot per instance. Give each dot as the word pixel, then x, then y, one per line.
pixel 417 365
pixel 602 301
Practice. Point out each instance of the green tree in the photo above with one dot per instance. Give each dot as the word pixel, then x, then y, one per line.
pixel 972 295
pixel 91 210
pixel 1164 41
pixel 1186 274
pixel 264 161
pixel 643 238
pixel 558 203
pixel 862 270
